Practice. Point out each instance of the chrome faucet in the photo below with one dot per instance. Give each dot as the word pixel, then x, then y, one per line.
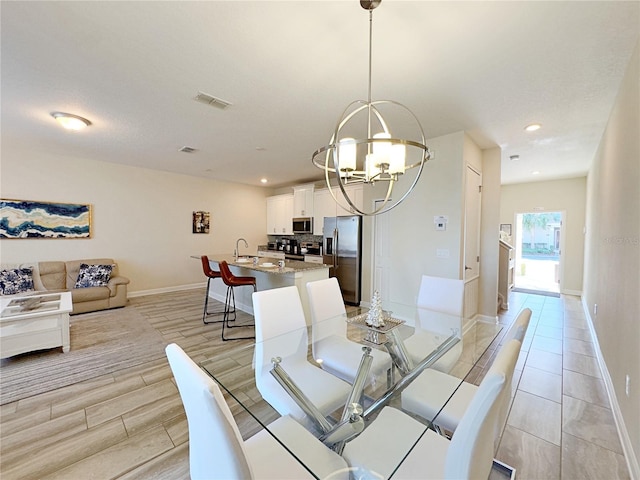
pixel 236 253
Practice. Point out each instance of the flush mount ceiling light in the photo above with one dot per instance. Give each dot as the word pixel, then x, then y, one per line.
pixel 366 148
pixel 70 121
pixel 533 127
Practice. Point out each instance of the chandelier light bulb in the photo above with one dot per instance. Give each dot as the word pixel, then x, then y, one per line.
pixel 347 155
pixel 397 159
pixel 382 148
pixel 373 166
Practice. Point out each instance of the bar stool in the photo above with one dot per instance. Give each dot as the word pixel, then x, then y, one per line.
pixel 232 281
pixel 210 274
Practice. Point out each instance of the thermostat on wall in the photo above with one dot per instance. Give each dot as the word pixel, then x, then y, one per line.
pixel 440 222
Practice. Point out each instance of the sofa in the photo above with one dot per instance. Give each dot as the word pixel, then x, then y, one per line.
pixel 60 276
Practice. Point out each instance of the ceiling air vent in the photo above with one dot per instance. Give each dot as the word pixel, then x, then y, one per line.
pixel 186 149
pixel 211 100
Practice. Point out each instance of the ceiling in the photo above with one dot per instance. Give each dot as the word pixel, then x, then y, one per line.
pixel 290 68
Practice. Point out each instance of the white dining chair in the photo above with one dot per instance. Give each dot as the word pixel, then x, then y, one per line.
pixel 382 446
pixel 281 332
pixel 331 348
pixel 216 447
pixel 427 393
pixel 441 295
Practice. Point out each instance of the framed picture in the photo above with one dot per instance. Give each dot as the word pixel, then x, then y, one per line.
pixel 201 222
pixel 32 219
pixel 506 228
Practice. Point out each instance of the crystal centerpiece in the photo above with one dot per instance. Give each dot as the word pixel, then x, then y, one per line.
pixel 376 321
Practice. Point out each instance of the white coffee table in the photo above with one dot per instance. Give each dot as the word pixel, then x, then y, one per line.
pixel 34 322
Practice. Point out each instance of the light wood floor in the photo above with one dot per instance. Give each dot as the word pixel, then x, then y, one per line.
pixel 130 424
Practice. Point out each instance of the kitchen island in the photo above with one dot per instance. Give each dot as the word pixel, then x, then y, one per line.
pixel 267 277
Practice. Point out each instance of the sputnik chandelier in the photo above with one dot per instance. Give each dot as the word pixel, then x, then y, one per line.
pixel 365 148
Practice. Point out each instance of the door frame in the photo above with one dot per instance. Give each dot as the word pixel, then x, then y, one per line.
pixel 517 241
pixel 463 257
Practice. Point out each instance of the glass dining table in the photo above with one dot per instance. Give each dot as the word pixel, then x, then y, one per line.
pixel 285 374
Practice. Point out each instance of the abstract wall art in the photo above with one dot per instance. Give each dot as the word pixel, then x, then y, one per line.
pixel 201 222
pixel 32 219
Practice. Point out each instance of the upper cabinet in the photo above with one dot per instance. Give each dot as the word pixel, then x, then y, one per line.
pixel 303 201
pixel 356 194
pixel 325 206
pixel 279 215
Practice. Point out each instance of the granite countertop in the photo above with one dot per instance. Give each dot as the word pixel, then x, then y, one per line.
pixel 290 266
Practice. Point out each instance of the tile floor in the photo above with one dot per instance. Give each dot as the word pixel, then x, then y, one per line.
pixel 130 424
pixel 560 424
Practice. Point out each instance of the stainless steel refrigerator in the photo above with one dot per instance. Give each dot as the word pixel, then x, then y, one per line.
pixel 342 249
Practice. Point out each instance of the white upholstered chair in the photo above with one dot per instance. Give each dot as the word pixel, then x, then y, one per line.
pixel 340 356
pixel 469 453
pixel 444 295
pixel 216 448
pixel 432 388
pixel 281 332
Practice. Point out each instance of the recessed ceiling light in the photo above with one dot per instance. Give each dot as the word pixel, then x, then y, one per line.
pixel 260 149
pixel 533 127
pixel 535 172
pixel 70 121
pixel 514 157
pixel 263 180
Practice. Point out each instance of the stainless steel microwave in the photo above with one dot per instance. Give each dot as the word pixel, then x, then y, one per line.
pixel 303 225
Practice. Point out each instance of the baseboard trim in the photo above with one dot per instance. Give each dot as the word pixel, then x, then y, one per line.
pixel 623 433
pixel 576 293
pixel 156 291
pixel 468 324
pixel 486 318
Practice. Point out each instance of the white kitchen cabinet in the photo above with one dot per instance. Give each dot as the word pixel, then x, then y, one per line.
pixel 303 201
pixel 325 206
pixel 313 258
pixel 356 194
pixel 279 215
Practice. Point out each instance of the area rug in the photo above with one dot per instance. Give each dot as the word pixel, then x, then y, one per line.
pixel 101 343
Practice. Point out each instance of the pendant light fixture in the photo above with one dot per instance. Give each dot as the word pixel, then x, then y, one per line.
pixel 368 145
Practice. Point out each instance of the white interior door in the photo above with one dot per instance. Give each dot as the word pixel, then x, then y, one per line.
pixel 382 255
pixel 473 202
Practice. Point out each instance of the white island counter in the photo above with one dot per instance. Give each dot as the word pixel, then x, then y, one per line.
pixel 294 273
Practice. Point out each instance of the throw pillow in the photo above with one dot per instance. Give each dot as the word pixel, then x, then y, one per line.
pixel 16 280
pixel 93 275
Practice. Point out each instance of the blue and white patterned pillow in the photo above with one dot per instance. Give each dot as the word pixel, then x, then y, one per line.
pixel 93 275
pixel 16 280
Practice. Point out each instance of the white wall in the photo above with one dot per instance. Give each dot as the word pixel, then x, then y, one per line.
pixel 141 218
pixel 489 232
pixel 568 195
pixel 413 239
pixel 612 256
